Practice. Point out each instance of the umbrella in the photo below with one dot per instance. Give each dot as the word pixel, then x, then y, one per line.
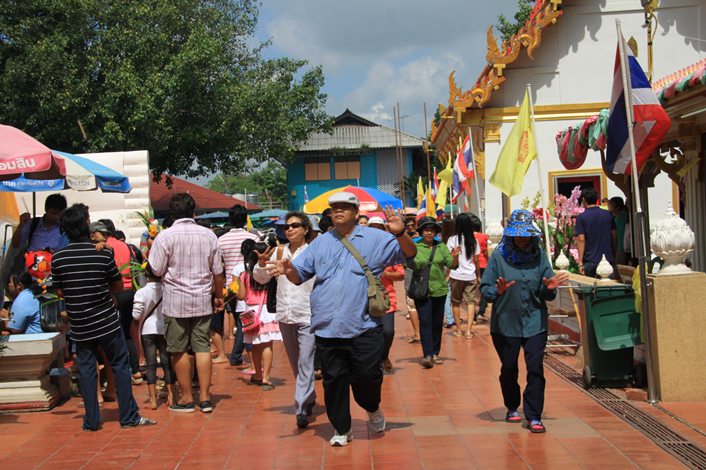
pixel 371 200
pixel 22 154
pixel 82 174
pixel 213 215
pixel 269 213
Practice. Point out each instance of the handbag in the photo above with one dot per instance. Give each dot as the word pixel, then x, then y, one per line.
pixel 250 319
pixel 419 285
pixel 378 298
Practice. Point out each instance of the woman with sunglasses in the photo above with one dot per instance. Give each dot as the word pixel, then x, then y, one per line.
pixel 294 311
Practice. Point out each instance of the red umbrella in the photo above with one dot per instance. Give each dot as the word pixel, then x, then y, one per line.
pixel 21 154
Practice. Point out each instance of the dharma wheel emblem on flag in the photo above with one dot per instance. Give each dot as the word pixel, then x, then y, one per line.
pixel 524 147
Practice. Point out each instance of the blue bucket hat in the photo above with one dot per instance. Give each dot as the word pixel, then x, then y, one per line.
pixel 521 225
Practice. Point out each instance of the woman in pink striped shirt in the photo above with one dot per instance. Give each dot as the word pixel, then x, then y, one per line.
pixel 255 296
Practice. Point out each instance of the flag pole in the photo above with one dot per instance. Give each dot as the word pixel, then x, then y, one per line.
pixel 481 211
pixel 545 208
pixel 652 396
pixel 451 190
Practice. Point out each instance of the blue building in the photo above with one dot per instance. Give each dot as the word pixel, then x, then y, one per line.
pixel 357 152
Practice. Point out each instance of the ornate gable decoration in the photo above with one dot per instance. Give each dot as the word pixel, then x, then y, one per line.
pixel 544 14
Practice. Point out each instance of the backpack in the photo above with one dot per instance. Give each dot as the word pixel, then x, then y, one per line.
pixel 139 279
pixel 50 308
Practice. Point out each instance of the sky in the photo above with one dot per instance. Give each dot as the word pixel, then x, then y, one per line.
pixel 376 53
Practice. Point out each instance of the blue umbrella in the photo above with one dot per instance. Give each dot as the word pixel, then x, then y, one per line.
pixel 213 215
pixel 82 174
pixel 269 213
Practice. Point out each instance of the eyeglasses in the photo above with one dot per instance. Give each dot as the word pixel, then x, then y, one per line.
pixel 294 225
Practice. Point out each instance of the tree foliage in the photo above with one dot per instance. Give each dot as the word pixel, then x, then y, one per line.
pixel 507 28
pixel 184 79
pixel 270 182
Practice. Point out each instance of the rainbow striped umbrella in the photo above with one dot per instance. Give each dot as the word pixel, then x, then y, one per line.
pixel 371 200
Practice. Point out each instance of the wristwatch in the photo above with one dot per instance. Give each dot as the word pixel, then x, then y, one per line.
pixel 401 234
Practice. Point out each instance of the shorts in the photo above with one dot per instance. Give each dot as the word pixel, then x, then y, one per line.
pixel 183 334
pixel 464 291
pixel 217 322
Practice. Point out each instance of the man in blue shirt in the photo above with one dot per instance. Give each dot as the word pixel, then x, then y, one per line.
pixel 596 234
pixel 348 339
pixel 43 232
pixel 25 307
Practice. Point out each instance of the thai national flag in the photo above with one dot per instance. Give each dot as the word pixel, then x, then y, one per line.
pixel 463 171
pixel 651 121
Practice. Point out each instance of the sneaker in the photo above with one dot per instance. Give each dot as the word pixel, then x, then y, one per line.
pixel 427 362
pixel 183 407
pixel 85 429
pixel 450 325
pixel 140 423
pixel 302 420
pixel 340 440
pixel 206 406
pixel 136 380
pixel 377 420
pixel 438 360
pixel 513 417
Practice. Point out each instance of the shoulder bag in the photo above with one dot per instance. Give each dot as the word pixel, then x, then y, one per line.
pixel 378 298
pixel 419 285
pixel 250 319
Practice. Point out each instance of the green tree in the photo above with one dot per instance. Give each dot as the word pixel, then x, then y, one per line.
pixel 507 28
pixel 270 182
pixel 180 78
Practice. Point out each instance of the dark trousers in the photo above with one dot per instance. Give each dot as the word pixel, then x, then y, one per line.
pixel 483 305
pixel 116 351
pixel 388 333
pixel 351 363
pixel 236 357
pixel 589 269
pixel 431 323
pixel 508 349
pixel 125 300
pixel 153 344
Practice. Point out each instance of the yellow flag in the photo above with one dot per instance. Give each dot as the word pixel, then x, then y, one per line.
pixel 420 192
pixel 517 154
pixel 431 207
pixel 445 179
pixel 248 224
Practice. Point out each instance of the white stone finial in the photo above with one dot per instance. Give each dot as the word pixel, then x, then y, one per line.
pixel 562 262
pixel 604 269
pixel 672 240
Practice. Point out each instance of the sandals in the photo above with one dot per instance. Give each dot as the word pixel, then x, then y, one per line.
pixel 254 381
pixel 413 340
pixel 469 335
pixel 536 427
pixel 267 386
pixel 513 417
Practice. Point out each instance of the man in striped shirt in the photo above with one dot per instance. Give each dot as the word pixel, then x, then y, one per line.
pixel 86 279
pixel 187 258
pixel 230 245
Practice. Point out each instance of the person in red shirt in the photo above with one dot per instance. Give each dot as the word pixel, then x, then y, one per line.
pixel 482 240
pixel 388 278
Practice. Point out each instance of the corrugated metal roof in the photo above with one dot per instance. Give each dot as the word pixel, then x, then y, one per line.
pixel 355 137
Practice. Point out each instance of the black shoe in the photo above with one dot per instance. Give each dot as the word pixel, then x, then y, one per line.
pixel 85 429
pixel 310 408
pixel 206 406
pixel 427 362
pixel 302 421
pixel 183 407
pixel 140 423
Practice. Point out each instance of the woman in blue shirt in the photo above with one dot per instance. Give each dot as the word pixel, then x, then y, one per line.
pixel 25 307
pixel 518 281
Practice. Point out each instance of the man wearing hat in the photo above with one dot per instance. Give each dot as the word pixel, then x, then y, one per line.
pixel 519 281
pixel 349 340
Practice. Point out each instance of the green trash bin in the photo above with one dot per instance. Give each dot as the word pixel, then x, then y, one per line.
pixel 612 331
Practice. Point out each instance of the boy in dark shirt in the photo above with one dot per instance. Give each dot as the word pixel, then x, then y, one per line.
pixel 596 234
pixel 86 278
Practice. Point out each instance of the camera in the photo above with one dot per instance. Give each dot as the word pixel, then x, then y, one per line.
pixel 270 239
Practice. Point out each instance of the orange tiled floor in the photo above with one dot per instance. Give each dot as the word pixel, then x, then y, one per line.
pixel 445 418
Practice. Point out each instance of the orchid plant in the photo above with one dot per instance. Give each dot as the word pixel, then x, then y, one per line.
pixel 562 223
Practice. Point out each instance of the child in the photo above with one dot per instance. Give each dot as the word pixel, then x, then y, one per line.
pixel 255 296
pixel 147 309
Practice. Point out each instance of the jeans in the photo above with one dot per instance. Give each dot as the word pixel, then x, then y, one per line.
pixel 115 350
pixel 431 323
pixel 299 343
pixel 152 344
pixel 448 313
pixel 388 333
pixel 508 349
pixel 351 363
pixel 236 357
pixel 125 300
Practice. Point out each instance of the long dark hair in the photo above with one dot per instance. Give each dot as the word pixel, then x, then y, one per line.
pixel 464 231
pixel 247 249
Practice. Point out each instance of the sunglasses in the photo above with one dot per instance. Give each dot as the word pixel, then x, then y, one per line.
pixel 294 225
